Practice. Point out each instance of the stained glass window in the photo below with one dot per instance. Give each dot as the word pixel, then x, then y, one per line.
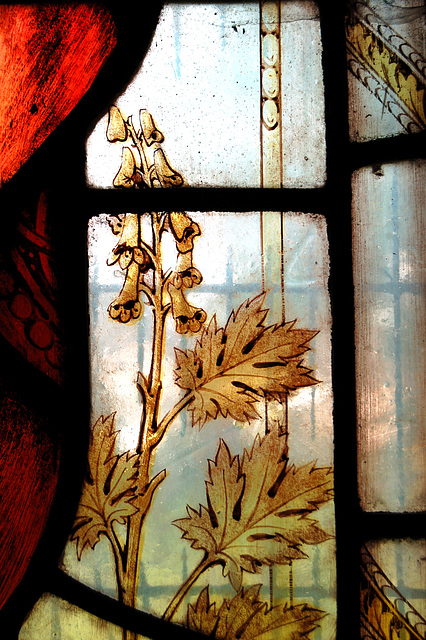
pixel 211 305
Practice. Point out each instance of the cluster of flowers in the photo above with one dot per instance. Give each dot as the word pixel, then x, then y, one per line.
pixel 150 169
pixel 134 256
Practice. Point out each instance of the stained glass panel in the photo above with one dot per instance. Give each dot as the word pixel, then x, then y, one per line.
pixel 207 499
pixel 229 80
pixel 240 397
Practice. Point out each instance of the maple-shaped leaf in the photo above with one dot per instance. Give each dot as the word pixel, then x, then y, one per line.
pixel 258 509
pixel 246 617
pixel 109 489
pixel 230 369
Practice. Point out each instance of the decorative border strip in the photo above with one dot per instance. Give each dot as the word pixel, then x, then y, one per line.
pixel 381 618
pixel 386 71
pixel 397 43
pixel 378 87
pixel 270 99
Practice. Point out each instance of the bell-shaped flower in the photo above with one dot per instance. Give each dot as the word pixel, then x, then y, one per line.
pixel 125 255
pixel 128 174
pixel 133 258
pixel 115 222
pixel 129 247
pixel 127 306
pixel 128 226
pixel 149 129
pixel 184 230
pixel 166 176
pixel 186 274
pixel 188 319
pixel 116 131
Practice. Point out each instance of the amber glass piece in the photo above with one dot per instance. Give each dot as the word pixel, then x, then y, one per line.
pixel 52 617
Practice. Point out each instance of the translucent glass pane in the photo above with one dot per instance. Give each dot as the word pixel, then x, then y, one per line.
pixel 389 275
pixel 227 86
pixel 393 592
pixel 386 68
pixel 240 406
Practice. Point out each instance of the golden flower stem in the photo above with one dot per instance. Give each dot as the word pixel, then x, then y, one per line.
pixel 205 564
pixel 148 436
pixel 168 419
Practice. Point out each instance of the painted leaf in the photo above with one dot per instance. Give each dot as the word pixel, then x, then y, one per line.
pixel 230 369
pixel 258 509
pixel 246 617
pixel 110 489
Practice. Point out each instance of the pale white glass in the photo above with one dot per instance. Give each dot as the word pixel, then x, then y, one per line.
pixel 389 277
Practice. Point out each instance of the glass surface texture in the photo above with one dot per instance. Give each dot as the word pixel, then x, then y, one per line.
pixel 389 275
pixel 53 617
pixel 229 81
pixel 386 68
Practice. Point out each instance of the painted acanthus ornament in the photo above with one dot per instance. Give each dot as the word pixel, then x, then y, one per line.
pixel 145 165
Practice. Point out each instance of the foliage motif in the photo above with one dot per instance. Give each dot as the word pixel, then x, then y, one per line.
pixel 258 508
pixel 388 66
pixel 232 368
pixel 246 617
pixel 110 488
pixel 385 613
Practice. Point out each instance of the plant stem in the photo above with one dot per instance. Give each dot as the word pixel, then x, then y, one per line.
pixel 140 147
pixel 150 435
pixel 169 417
pixel 151 390
pixel 118 558
pixel 205 564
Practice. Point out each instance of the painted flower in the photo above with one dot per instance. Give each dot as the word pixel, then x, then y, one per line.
pixel 125 255
pixel 130 246
pixel 188 319
pixel 127 306
pixel 133 258
pixel 163 172
pixel 184 230
pixel 148 128
pixel 188 278
pixel 116 130
pixel 128 175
